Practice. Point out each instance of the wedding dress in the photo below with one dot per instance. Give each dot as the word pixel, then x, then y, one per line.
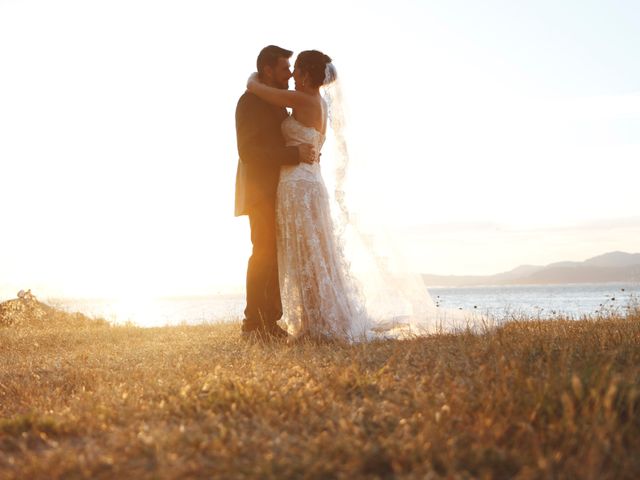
pixel 359 293
pixel 319 297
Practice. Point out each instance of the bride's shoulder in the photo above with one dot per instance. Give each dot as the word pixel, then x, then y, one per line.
pixel 324 104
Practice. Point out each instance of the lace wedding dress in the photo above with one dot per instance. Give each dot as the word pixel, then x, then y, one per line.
pixel 319 297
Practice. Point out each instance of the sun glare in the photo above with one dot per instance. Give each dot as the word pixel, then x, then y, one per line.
pixel 138 309
pixel 120 149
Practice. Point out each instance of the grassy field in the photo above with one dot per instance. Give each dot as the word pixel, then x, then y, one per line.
pixel 550 399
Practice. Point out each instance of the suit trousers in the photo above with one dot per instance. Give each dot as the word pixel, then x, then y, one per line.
pixel 264 306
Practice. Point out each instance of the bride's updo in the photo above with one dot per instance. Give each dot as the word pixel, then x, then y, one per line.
pixel 318 65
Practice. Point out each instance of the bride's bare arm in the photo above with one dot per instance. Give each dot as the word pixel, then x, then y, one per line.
pixel 276 96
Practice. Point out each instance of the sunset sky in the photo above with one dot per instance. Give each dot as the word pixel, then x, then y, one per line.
pixel 483 135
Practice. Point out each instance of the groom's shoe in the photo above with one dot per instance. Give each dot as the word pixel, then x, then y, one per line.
pixel 264 334
pixel 256 335
pixel 252 332
pixel 277 332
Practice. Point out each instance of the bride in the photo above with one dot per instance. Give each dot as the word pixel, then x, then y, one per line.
pixel 319 298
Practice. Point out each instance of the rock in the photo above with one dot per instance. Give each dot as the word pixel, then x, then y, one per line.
pixel 28 310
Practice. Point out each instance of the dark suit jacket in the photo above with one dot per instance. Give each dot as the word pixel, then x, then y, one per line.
pixel 262 151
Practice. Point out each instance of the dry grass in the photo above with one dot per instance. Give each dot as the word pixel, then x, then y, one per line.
pixel 550 399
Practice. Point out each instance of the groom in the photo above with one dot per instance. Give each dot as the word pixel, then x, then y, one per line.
pixel 262 152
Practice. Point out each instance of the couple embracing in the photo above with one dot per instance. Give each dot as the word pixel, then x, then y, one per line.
pixel 297 272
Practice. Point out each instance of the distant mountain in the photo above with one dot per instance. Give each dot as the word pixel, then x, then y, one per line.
pixel 614 259
pixel 610 267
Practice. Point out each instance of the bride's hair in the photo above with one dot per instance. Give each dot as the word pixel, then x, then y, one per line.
pixel 315 64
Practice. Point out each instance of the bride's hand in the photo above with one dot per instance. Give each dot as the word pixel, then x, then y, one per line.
pixel 252 78
pixel 307 153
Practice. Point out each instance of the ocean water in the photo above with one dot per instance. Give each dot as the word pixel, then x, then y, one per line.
pixel 540 301
pixel 500 302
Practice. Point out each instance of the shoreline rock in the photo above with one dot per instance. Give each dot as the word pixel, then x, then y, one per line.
pixel 28 310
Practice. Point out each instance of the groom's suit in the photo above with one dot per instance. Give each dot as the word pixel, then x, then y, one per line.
pixel 262 151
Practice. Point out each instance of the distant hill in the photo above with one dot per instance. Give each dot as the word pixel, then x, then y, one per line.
pixel 610 267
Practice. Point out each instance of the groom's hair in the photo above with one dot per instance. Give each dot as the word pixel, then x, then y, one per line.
pixel 269 56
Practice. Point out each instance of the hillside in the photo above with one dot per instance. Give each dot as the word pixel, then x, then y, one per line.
pixel 610 267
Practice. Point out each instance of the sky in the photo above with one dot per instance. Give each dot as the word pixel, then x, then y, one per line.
pixel 482 136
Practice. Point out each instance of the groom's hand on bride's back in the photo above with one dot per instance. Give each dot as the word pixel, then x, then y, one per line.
pixel 307 153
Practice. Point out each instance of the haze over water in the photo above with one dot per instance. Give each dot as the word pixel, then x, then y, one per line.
pixel 501 303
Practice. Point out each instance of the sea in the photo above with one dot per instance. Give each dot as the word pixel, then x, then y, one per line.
pixel 501 303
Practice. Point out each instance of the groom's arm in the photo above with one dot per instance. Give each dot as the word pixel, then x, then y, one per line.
pixel 251 142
